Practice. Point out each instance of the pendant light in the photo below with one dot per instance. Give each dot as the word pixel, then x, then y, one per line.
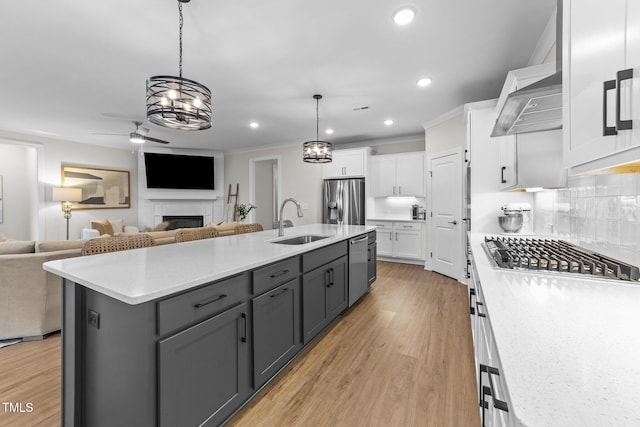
pixel 317 151
pixel 177 102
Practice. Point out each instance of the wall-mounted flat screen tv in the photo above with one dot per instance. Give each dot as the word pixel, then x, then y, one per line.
pixel 177 171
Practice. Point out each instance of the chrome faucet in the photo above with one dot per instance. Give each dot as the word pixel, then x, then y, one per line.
pixel 290 199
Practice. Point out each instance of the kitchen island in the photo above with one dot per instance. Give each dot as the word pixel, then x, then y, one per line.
pixel 564 346
pixel 185 334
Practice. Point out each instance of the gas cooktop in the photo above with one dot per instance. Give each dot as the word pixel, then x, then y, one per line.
pixel 556 256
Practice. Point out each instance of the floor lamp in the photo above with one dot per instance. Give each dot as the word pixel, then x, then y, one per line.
pixel 66 195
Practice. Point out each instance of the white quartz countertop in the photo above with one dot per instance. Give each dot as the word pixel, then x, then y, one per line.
pixel 569 348
pixel 141 275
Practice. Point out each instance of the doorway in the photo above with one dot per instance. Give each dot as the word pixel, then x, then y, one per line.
pixel 445 220
pixel 264 190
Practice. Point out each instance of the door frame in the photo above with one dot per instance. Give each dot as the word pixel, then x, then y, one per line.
pixel 252 182
pixel 430 224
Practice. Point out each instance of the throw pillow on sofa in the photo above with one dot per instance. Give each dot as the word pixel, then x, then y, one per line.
pixel 103 226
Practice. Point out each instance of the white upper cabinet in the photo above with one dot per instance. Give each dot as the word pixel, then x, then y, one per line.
pixel 347 163
pixel 602 100
pixel 398 175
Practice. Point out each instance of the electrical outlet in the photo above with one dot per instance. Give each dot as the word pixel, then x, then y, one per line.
pixel 94 319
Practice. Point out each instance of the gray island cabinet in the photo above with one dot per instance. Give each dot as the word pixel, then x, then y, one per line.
pixel 194 356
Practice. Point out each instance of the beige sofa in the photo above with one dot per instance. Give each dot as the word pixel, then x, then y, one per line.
pixel 30 297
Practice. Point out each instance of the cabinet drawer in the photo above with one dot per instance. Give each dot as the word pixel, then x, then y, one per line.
pixel 267 278
pixel 193 306
pixel 382 224
pixel 324 255
pixel 407 226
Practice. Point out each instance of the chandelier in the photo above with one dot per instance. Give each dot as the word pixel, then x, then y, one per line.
pixel 177 102
pixel 317 151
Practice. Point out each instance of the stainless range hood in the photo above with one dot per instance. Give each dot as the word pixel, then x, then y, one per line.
pixel 538 106
pixel 534 108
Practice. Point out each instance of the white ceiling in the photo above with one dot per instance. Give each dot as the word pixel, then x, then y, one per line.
pixel 72 68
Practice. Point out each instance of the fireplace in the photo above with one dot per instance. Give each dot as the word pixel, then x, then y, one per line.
pixel 183 221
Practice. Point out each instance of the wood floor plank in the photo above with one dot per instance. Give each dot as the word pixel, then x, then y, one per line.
pixel 402 356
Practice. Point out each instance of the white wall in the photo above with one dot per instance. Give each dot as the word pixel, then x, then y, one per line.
pixel 300 180
pixel 52 154
pixel 18 168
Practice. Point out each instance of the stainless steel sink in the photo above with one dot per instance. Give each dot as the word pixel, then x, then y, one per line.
pixel 299 240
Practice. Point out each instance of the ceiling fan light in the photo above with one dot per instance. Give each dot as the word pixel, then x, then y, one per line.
pixel 136 138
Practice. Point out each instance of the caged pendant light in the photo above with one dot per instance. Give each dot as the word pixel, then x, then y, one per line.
pixel 317 151
pixel 177 102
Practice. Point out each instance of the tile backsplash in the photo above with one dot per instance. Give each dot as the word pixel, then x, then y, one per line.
pixel 600 212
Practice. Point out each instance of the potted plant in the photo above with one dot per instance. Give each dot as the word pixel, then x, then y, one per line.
pixel 243 210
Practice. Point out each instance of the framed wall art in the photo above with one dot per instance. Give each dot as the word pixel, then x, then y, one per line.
pixel 101 188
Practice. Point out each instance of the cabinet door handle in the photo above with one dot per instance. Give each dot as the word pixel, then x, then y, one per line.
pixel 483 391
pixel 331 276
pixel 279 273
pixel 244 327
pixel 606 87
pixel 399 189
pixel 622 75
pixel 277 294
pixel 327 278
pixel 209 301
pixel 502 180
pixel 472 293
pixel 368 255
pixel 454 222
pixel 480 314
pixel 497 403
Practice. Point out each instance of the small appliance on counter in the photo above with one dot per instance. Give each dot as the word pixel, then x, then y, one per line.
pixel 516 218
pixel 422 213
pixel 414 211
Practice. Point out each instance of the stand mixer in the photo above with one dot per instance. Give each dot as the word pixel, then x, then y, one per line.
pixel 516 219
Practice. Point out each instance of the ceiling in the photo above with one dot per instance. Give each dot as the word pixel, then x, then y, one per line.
pixel 74 68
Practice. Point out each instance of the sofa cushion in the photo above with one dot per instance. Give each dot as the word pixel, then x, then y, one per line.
pixel 58 245
pixel 17 247
pixel 103 226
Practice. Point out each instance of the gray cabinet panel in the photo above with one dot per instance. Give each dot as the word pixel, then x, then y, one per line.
pixel 324 255
pixel 276 330
pixel 324 296
pixel 314 302
pixel 372 266
pixel 337 291
pixel 267 278
pixel 203 371
pixel 185 309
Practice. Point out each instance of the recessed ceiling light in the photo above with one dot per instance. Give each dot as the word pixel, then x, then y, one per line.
pixel 329 131
pixel 388 122
pixel 424 82
pixel 404 16
pixel 254 125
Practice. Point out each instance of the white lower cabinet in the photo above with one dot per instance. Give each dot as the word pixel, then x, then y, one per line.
pixel 493 398
pixel 402 240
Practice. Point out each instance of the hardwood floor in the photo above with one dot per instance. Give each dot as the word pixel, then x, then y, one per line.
pixel 402 356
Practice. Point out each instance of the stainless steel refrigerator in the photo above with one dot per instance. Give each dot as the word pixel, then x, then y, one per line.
pixel 344 201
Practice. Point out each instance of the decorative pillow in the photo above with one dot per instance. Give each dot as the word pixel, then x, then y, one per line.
pixel 2 237
pixel 162 226
pixel 104 226
pixel 117 224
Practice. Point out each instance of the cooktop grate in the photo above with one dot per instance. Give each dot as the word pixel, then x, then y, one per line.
pixel 556 255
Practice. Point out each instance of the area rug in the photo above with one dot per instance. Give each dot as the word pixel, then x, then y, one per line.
pixel 5 343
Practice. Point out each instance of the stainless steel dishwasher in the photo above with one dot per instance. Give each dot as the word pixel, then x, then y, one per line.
pixel 358 268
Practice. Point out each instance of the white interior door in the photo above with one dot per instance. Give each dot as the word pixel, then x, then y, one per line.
pixel 446 227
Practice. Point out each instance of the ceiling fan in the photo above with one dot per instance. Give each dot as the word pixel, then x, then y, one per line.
pixel 138 136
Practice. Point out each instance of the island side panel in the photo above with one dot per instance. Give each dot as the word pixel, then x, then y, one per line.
pixel 115 361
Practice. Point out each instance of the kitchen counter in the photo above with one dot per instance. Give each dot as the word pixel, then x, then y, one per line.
pixel 140 275
pixel 568 346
